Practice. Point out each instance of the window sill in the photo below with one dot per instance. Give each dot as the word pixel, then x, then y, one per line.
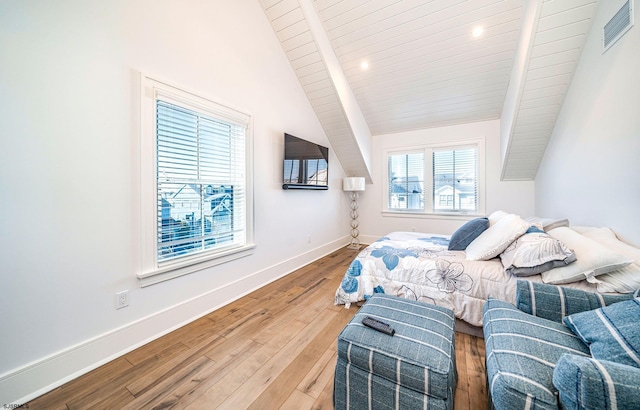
pixel 182 268
pixel 430 215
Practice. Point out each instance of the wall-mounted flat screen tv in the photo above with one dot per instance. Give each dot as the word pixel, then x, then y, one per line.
pixel 306 164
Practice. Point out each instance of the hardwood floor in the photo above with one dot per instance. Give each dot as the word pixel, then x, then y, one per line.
pixel 272 349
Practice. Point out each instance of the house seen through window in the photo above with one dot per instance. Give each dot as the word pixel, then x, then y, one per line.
pixel 455 180
pixel 197 157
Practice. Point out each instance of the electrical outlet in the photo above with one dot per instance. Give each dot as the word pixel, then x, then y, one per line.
pixel 309 239
pixel 122 299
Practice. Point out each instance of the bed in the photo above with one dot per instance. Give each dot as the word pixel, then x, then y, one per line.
pixel 419 266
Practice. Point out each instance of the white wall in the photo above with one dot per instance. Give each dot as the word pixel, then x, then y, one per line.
pixel 69 123
pixel 512 196
pixel 591 168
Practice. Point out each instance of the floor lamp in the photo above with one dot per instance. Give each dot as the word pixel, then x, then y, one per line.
pixel 353 185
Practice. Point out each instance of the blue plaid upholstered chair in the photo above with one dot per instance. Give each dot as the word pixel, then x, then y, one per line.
pixel 563 348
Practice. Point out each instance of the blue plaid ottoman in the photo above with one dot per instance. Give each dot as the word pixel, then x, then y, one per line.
pixel 414 369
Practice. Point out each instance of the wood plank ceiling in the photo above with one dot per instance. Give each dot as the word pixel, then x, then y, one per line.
pixel 426 68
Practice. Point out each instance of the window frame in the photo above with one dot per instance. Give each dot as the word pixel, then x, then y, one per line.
pixel 151 270
pixel 427 211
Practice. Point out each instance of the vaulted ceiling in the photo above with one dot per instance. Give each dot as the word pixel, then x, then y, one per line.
pixel 373 67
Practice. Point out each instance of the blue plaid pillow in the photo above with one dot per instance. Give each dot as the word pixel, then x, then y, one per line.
pixel 586 383
pixel 612 333
pixel 555 302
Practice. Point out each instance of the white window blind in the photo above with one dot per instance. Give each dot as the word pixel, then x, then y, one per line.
pixel 438 179
pixel 455 180
pixel 406 181
pixel 201 187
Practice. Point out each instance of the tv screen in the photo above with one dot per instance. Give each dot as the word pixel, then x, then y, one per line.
pixel 306 164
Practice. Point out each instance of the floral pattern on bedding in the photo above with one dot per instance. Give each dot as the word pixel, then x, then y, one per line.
pixel 449 276
pixel 419 266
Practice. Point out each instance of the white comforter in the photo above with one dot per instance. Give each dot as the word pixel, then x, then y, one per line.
pixel 418 266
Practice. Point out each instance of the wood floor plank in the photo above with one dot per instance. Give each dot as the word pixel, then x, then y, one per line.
pixel 476 353
pixel 274 289
pixel 319 375
pixel 315 304
pixel 54 400
pixel 228 349
pixel 244 303
pixel 310 289
pixel 203 329
pixel 171 388
pixel 158 374
pixel 229 317
pixel 83 386
pixel 476 375
pixel 225 365
pixel 248 324
pixel 279 388
pixel 275 327
pixel 117 399
pixel 325 400
pixel 296 401
pixel 260 380
pixel 461 361
pixel 274 348
pixel 105 387
pixel 153 348
pixel 462 401
pixel 242 372
pixel 477 390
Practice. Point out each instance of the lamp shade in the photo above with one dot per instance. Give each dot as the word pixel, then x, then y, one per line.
pixel 353 184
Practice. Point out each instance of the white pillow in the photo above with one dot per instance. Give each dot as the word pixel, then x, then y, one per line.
pixel 593 259
pixel 623 280
pixel 496 216
pixel 496 238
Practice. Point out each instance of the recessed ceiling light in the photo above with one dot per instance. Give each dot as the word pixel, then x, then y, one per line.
pixel 364 65
pixel 477 32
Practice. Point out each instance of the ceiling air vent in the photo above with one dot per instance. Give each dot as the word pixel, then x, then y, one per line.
pixel 619 24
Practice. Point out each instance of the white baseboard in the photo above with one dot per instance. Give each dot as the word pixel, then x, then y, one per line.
pixel 27 382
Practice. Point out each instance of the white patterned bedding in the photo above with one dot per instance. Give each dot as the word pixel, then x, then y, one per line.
pixel 418 266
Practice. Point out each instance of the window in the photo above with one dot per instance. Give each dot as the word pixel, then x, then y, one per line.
pixel 455 180
pixel 196 200
pixel 434 179
pixel 446 201
pixel 406 181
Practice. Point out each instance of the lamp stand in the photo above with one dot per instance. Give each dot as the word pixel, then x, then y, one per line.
pixel 355 242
